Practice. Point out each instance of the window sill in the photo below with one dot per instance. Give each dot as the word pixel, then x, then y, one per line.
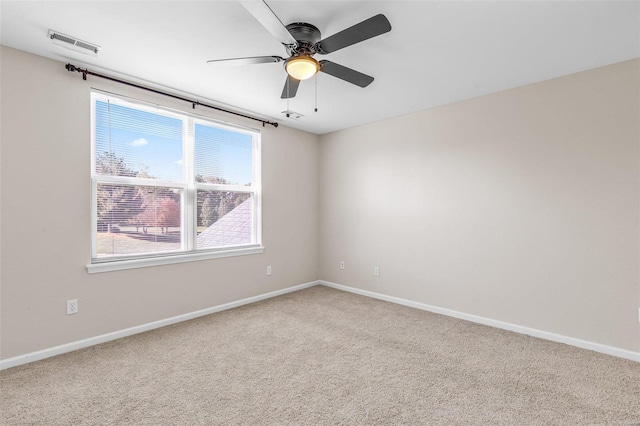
pixel 118 265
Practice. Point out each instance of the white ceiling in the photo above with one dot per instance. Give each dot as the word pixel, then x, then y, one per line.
pixel 437 52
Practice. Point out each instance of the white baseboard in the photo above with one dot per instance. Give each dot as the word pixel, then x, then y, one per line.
pixel 597 347
pixel 69 347
pixel 84 343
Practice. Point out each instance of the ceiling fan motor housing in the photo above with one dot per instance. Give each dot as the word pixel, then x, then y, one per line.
pixel 306 35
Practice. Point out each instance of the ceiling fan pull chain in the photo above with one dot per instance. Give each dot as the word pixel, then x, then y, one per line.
pixel 316 106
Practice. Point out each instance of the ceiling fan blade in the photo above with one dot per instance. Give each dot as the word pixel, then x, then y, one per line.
pixel 365 30
pixel 232 62
pixel 290 88
pixel 347 74
pixel 263 13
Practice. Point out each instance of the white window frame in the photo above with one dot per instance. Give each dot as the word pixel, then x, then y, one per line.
pixel 189 187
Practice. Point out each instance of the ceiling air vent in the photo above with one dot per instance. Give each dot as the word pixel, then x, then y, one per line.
pixel 73 43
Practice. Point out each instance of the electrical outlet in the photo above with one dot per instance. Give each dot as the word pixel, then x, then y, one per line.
pixel 342 264
pixel 268 270
pixel 376 271
pixel 72 306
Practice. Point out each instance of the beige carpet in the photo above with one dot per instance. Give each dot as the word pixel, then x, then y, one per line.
pixel 322 356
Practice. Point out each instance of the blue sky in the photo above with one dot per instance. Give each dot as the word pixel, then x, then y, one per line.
pixel 153 143
pixel 223 154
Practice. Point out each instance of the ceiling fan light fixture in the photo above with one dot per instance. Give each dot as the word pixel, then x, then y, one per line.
pixel 301 67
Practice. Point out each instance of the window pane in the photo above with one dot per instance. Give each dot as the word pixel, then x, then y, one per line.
pixel 137 219
pixel 224 219
pixel 223 156
pixel 131 142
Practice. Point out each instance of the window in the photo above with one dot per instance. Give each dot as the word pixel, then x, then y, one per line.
pixel 170 187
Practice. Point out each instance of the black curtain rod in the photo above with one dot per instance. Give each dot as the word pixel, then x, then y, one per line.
pixel 193 103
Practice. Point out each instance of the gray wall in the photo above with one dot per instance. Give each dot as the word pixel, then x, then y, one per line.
pixel 520 206
pixel 46 230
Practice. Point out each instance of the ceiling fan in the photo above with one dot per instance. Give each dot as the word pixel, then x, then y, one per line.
pixel 302 41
